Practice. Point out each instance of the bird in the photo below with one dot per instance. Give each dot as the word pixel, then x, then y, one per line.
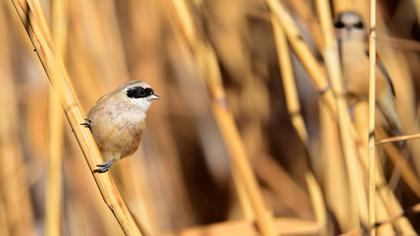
pixel 118 119
pixel 354 55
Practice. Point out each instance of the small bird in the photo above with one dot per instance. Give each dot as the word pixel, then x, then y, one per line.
pixel 352 38
pixel 118 119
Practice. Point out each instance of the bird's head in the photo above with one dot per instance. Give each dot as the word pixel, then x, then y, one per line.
pixel 140 94
pixel 349 25
pixel 136 92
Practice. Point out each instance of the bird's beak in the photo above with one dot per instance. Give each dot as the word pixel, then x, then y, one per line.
pixel 154 97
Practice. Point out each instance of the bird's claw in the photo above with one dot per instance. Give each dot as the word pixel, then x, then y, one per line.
pixel 103 167
pixel 87 123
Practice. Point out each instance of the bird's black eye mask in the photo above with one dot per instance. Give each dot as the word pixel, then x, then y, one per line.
pixel 339 25
pixel 139 92
pixel 359 25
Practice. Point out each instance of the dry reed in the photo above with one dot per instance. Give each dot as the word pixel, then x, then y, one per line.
pixel 294 110
pixel 56 128
pixel 372 109
pixel 292 99
pixel 54 185
pixel 315 71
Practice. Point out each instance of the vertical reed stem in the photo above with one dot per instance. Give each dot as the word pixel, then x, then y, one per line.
pixel 372 98
pixel 54 180
pixel 56 128
pixel 292 99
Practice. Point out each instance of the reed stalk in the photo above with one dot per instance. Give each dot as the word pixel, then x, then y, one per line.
pixel 293 107
pixel 417 7
pixel 289 84
pixel 398 138
pixel 3 220
pixel 401 165
pixel 284 187
pixel 305 12
pixel 372 108
pixel 410 210
pixel 286 226
pixel 56 128
pixel 315 70
pixel 54 181
pixel 318 203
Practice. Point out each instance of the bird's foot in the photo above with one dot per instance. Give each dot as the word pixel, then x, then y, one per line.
pixel 103 167
pixel 87 123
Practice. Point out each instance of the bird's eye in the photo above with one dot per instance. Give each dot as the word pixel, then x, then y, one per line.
pixel 137 92
pixel 148 92
pixel 339 25
pixel 359 25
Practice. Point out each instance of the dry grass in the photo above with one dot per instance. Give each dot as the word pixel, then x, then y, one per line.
pixel 253 135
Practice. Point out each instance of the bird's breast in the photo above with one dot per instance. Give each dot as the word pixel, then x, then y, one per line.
pixel 355 64
pixel 118 132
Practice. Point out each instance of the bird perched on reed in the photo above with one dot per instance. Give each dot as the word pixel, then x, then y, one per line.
pixel 118 119
pixel 352 38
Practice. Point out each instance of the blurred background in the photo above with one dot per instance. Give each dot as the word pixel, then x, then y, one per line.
pixel 181 175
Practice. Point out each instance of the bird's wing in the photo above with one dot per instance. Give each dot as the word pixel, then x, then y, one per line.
pixel 340 51
pixel 115 91
pixel 383 69
pixel 106 96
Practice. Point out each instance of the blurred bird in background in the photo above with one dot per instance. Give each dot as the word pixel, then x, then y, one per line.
pixel 352 38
